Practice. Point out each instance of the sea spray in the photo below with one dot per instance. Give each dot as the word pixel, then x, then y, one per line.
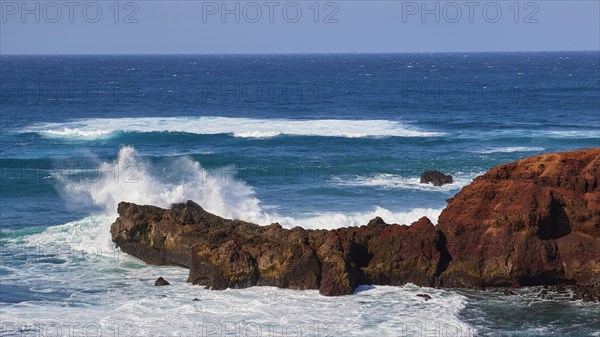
pixel 131 178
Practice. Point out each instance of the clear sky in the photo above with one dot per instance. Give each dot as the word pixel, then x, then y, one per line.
pixel 354 26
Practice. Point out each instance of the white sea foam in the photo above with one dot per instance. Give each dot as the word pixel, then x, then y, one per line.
pixel 510 149
pixel 533 133
pixel 130 178
pixel 238 127
pixel 102 289
pixel 337 220
pixel 400 182
pixel 67 132
pixel 571 133
pixel 138 308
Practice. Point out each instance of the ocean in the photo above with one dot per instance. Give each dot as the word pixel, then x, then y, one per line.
pixel 318 141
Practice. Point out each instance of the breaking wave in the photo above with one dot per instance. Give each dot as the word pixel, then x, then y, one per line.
pixel 237 127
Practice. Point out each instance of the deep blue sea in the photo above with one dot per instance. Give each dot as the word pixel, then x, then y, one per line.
pixel 319 141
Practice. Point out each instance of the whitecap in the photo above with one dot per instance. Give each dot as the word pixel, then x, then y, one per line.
pixel 510 149
pixel 67 132
pixel 238 127
pixel 389 181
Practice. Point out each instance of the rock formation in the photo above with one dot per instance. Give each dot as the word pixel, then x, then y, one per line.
pixel 436 178
pixel 532 222
pixel 224 253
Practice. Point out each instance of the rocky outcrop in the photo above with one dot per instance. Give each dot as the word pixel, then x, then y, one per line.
pixel 436 178
pixel 531 222
pixel 224 253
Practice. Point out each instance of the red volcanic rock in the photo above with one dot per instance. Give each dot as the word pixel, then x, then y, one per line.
pixel 531 222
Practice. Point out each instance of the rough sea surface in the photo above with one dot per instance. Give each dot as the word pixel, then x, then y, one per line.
pixel 319 141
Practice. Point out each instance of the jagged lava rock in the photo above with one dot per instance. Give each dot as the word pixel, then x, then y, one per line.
pixel 532 222
pixel 224 253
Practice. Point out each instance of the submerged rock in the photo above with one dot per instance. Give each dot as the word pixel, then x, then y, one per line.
pixel 532 222
pixel 424 296
pixel 436 178
pixel 161 282
pixel 586 292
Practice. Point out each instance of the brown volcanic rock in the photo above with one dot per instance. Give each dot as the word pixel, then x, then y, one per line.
pixel 224 253
pixel 401 254
pixel 228 266
pixel 534 221
pixel 165 237
pixel 339 275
